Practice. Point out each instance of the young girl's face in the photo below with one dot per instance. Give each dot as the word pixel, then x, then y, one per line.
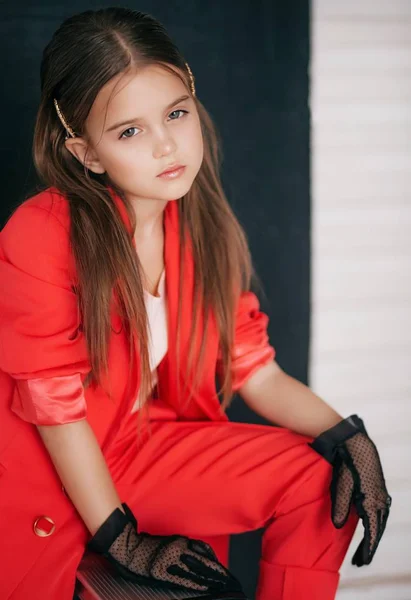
pixel 151 124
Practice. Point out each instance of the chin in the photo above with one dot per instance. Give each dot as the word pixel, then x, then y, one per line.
pixel 176 189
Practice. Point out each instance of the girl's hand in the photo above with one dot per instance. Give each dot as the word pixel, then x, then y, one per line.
pixel 357 478
pixel 160 561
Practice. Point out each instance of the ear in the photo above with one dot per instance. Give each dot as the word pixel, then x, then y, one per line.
pixel 81 150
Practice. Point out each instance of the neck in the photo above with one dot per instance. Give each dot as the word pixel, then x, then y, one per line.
pixel 149 217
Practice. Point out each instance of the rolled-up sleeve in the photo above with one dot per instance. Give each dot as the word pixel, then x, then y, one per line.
pixel 41 343
pixel 251 348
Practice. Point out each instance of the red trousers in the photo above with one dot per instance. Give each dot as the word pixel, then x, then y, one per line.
pixel 214 478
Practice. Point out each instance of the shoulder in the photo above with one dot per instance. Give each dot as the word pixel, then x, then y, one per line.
pixel 36 236
pixel 49 205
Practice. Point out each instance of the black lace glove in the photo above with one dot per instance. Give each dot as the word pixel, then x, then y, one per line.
pixel 357 477
pixel 160 561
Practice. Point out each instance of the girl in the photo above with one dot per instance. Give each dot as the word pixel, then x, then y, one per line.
pixel 125 290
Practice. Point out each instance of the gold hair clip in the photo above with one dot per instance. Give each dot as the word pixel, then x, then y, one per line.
pixel 67 127
pixel 192 86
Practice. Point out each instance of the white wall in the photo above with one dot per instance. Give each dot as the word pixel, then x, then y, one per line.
pixel 361 244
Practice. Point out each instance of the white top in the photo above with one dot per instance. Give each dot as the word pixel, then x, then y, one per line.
pixel 157 329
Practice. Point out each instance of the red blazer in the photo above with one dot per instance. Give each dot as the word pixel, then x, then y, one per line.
pixel 44 360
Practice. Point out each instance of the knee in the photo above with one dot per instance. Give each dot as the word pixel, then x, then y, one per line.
pixel 307 479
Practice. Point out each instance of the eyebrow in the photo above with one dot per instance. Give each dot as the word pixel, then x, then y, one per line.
pixel 127 121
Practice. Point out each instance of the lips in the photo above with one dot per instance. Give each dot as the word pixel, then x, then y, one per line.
pixel 171 169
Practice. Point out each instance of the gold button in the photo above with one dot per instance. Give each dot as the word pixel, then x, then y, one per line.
pixel 44 526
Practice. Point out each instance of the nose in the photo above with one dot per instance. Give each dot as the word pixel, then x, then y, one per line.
pixel 164 144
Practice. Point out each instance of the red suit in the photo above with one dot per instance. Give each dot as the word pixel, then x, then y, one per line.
pixel 198 474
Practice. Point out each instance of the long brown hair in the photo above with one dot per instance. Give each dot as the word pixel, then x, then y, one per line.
pixel 85 52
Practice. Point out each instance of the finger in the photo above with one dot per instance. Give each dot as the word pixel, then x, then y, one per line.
pixel 358 558
pixel 188 579
pixel 372 535
pixel 341 495
pixel 385 515
pixel 212 570
pixel 374 526
pixel 382 522
pixel 202 548
pixel 208 559
pixel 380 531
pixel 223 575
pixel 362 553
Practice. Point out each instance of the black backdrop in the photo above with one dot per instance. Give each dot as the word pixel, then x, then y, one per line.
pixel 250 59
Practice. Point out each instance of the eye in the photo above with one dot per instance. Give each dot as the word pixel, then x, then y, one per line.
pixel 128 136
pixel 185 112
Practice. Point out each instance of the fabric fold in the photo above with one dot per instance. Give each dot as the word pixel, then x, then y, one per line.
pixel 251 349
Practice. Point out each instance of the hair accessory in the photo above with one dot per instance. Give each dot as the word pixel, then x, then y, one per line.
pixel 67 127
pixel 192 86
